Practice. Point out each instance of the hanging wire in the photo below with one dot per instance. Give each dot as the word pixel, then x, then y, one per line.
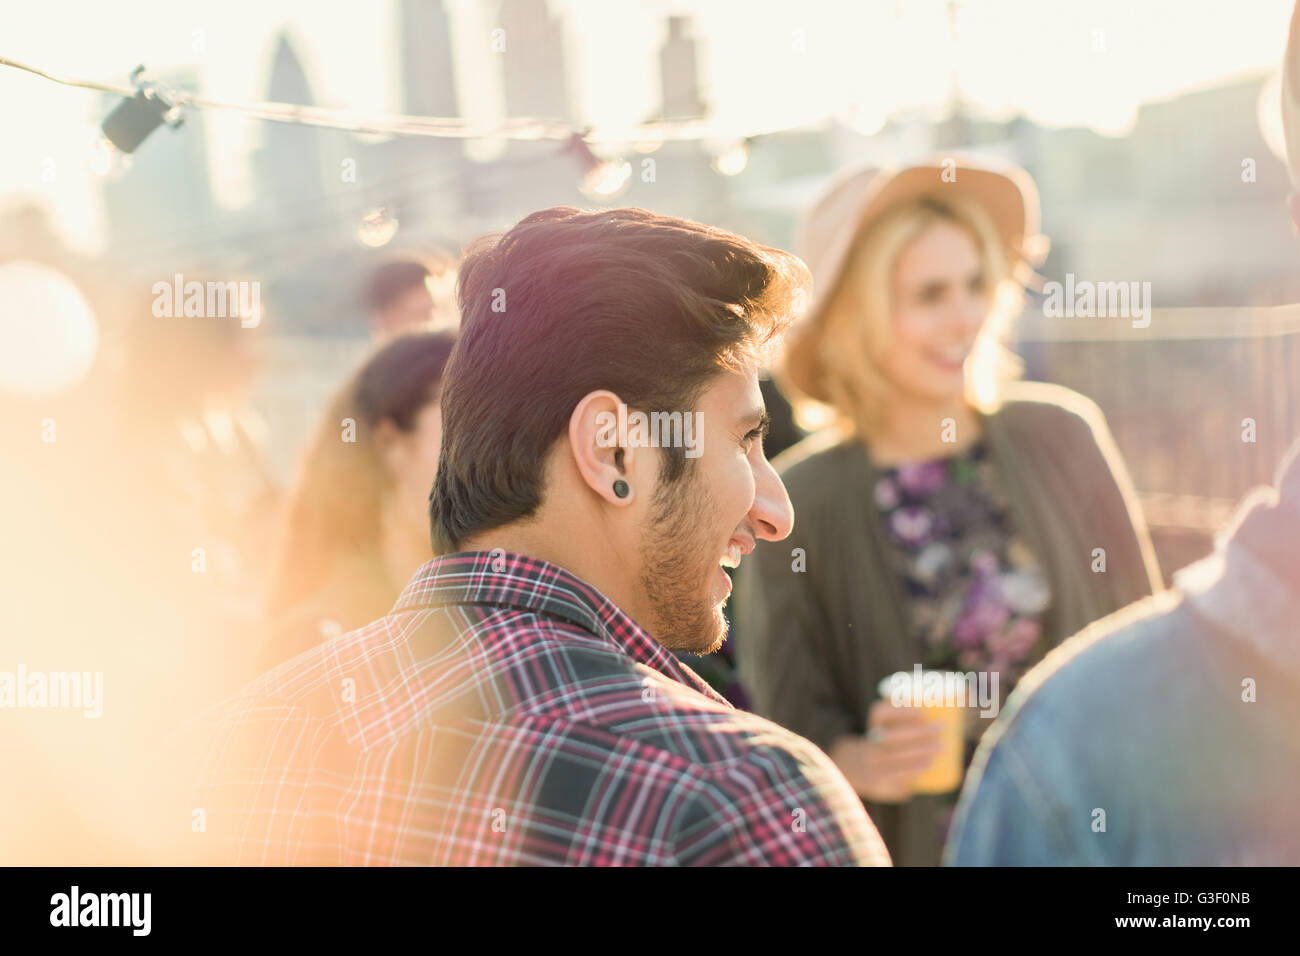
pixel 409 185
pixel 67 81
pixel 404 125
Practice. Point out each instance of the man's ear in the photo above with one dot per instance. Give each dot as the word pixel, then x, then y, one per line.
pixel 594 443
pixel 1293 202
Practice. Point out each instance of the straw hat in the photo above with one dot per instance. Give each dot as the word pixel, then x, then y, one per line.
pixel 857 197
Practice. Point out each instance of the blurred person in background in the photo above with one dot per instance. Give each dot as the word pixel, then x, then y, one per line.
pixel 950 517
pixel 66 581
pixel 1165 735
pixel 183 405
pixel 135 503
pixel 356 523
pixel 400 295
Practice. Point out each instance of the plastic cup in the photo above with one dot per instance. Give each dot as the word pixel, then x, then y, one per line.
pixel 946 769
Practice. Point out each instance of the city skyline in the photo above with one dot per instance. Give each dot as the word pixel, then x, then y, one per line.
pixel 755 71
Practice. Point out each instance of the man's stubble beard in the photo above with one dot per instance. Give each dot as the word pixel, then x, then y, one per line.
pixel 674 565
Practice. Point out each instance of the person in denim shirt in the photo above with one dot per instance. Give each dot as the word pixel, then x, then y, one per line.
pixel 1168 733
pixel 1165 734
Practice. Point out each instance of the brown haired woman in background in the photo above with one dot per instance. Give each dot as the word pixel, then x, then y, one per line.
pixel 950 519
pixel 357 522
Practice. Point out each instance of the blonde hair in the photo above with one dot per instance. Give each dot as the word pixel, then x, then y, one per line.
pixel 855 331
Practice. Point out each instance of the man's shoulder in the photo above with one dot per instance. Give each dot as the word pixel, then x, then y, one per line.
pixel 426 667
pixel 713 737
pixel 1125 744
pixel 1068 735
pixel 630 705
pixel 349 672
pixel 1123 692
pixel 532 714
pixel 750 791
pixel 1123 656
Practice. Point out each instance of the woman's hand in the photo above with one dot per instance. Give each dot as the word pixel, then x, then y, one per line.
pixel 900 745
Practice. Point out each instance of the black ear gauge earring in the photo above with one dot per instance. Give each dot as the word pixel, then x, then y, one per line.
pixel 620 488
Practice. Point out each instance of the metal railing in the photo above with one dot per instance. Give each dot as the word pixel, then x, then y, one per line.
pixel 1203 404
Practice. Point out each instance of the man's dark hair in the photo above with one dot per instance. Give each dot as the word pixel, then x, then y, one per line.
pixel 568 302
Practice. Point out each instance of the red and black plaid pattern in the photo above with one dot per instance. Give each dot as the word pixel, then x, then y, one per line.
pixel 506 713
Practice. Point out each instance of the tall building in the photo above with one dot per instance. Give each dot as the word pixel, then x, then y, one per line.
pixel 423 173
pixel 536 84
pixel 428 77
pixel 531 174
pixel 287 167
pixel 679 72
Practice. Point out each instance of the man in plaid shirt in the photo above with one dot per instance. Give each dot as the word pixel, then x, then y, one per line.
pixel 601 463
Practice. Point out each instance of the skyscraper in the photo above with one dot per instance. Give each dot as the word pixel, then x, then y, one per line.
pixel 287 167
pixel 536 84
pixel 679 72
pixel 428 77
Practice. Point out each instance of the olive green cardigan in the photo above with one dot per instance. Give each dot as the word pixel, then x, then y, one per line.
pixel 812 645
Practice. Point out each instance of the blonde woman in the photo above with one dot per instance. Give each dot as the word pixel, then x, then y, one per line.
pixel 949 516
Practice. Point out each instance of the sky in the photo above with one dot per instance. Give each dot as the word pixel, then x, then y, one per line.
pixel 764 65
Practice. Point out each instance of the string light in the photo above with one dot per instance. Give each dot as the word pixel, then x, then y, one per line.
pixel 137 116
pixel 866 119
pixel 377 228
pixel 50 332
pixel 608 180
pixel 146 105
pixel 732 160
pixel 602 180
pixel 646 136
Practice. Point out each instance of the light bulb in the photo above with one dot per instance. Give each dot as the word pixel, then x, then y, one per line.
pixel 606 180
pixel 732 160
pixel 48 333
pixel 377 228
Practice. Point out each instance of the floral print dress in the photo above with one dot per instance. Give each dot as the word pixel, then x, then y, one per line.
pixel 975 592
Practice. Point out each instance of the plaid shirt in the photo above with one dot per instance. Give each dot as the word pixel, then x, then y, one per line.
pixel 504 712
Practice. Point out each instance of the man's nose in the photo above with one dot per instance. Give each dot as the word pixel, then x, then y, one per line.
pixel 772 514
